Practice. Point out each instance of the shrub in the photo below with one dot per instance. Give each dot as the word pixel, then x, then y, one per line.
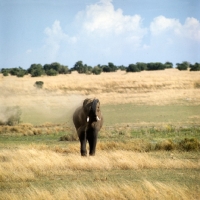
pixel 189 144
pixel 166 145
pixel 195 67
pixel 39 84
pixel 182 66
pixel 96 70
pixel 155 66
pixel 36 70
pixel 5 73
pixel 132 68
pixel 69 137
pixel 51 72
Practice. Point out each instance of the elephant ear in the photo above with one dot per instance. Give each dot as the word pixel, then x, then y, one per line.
pixel 85 102
pixel 94 105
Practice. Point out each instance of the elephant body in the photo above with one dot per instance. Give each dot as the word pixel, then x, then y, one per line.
pixel 88 120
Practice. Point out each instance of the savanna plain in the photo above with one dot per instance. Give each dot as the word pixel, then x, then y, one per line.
pixel 148 148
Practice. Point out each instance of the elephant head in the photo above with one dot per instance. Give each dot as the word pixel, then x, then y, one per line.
pixel 92 109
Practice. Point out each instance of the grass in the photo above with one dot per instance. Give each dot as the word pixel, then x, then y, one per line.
pixel 41 166
pixel 33 173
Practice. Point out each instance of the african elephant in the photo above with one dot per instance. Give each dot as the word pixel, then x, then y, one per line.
pixel 88 120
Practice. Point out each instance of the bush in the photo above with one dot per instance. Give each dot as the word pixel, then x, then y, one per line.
pixel 182 66
pixel 39 84
pixel 96 70
pixel 132 68
pixel 36 70
pixel 51 72
pixel 155 66
pixel 189 144
pixel 166 145
pixel 195 67
pixel 69 137
pixel 5 73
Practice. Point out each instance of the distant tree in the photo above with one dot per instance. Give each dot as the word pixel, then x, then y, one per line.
pixel 64 70
pixel 122 67
pixel 19 72
pixel 132 68
pixel 112 67
pixel 51 72
pixel 182 66
pixel 5 71
pixel 195 67
pixel 14 71
pixel 155 66
pixel 105 68
pixel 55 68
pixel 89 70
pixel 168 65
pixel 96 70
pixel 141 66
pixel 109 68
pixel 80 68
pixel 36 70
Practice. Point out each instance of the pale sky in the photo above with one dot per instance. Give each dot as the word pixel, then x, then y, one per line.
pixel 98 32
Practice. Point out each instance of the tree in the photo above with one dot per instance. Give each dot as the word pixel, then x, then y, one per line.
pixel 132 68
pixel 96 70
pixel 168 65
pixel 51 72
pixel 105 68
pixel 141 66
pixel 122 67
pixel 36 70
pixel 5 71
pixel 195 67
pixel 155 66
pixel 80 68
pixel 182 66
pixel 55 68
pixel 112 67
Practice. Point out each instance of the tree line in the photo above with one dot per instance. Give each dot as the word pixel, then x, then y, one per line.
pixel 56 68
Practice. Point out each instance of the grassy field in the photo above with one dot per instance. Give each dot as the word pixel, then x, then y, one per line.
pixel 148 148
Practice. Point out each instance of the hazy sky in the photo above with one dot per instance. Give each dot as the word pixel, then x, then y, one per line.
pixel 98 32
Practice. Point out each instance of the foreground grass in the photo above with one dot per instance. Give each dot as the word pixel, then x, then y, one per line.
pixel 40 166
pixel 38 173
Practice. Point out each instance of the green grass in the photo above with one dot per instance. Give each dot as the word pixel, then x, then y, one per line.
pixel 121 114
pixel 167 114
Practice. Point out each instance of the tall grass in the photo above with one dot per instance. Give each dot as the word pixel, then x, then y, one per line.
pixel 28 164
pixel 24 168
pixel 144 190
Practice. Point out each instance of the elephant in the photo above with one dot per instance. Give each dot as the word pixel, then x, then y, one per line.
pixel 88 121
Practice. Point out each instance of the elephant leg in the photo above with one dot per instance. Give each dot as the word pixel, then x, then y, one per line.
pixel 83 141
pixel 92 139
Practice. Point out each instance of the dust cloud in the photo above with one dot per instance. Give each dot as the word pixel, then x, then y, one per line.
pixel 37 106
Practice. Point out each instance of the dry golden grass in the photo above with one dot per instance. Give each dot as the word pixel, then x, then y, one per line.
pixel 29 163
pixel 21 167
pixel 144 190
pixel 151 87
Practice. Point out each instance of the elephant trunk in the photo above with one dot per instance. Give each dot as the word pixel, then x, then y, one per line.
pixel 94 110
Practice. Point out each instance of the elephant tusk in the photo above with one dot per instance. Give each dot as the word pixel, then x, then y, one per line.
pixel 88 119
pixel 98 118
